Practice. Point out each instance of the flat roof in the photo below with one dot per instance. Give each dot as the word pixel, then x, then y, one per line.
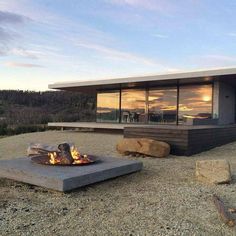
pixel 158 77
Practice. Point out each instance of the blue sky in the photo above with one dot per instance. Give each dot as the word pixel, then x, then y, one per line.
pixel 46 41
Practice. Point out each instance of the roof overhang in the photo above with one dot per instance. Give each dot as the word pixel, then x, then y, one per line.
pixel 187 76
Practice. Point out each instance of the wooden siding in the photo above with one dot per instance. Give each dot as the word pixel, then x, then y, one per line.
pixel 205 139
pixel 186 140
pixel 178 139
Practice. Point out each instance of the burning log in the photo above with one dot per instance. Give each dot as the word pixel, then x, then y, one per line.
pixel 40 149
pixel 224 214
pixel 65 155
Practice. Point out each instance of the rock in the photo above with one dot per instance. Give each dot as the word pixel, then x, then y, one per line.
pixel 213 171
pixel 144 146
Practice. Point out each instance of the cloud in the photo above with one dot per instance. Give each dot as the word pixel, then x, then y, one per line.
pixel 4 35
pixel 219 58
pixel 162 36
pixel 214 60
pixel 10 32
pixel 11 18
pixel 24 10
pixel 32 54
pixel 26 65
pixel 5 39
pixel 116 54
pixel 161 6
pixel 2 52
pixel 232 34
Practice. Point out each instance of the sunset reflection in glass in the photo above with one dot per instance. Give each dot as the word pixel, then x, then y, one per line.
pixel 133 106
pixel 108 106
pixel 195 101
pixel 156 105
pixel 162 105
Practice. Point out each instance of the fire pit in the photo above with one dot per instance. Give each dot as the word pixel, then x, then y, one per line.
pixel 63 168
pixel 64 155
pixel 45 160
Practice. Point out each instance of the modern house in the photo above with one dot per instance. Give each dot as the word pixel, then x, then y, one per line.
pixel 193 111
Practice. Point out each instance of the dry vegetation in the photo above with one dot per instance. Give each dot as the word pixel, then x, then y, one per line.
pixel 162 199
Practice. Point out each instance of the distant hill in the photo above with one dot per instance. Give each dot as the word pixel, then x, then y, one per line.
pixel 30 108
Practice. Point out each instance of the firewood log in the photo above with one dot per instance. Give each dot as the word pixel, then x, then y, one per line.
pixel 224 214
pixel 65 155
pixel 40 149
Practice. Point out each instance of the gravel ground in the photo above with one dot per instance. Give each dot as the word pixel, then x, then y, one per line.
pixel 162 199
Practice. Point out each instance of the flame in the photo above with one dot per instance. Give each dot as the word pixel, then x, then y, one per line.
pixel 74 152
pixel 84 159
pixel 54 157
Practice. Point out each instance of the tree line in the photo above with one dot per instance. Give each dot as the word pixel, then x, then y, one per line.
pixel 28 108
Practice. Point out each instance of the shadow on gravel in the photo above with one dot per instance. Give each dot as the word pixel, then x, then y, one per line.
pixel 233 178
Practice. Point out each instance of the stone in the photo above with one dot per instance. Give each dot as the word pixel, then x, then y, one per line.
pixel 148 147
pixel 213 171
pixel 66 178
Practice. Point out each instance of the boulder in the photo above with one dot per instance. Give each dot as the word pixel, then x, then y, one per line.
pixel 148 147
pixel 213 171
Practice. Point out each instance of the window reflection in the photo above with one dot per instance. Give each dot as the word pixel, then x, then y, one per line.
pixel 195 102
pixel 133 106
pixel 108 106
pixel 162 105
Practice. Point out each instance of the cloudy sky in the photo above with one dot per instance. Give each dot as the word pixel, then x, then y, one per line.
pixel 46 41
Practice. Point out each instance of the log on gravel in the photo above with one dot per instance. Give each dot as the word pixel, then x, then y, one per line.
pixel 224 214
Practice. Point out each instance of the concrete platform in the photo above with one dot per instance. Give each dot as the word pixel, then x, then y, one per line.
pixel 123 126
pixel 66 178
pixel 92 125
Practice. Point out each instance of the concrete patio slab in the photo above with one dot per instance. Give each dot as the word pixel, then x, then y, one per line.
pixel 66 178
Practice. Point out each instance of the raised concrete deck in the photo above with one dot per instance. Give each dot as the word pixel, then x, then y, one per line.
pixel 87 125
pixel 95 125
pixel 120 126
pixel 66 178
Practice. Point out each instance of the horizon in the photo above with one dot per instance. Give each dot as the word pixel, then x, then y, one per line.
pixel 83 40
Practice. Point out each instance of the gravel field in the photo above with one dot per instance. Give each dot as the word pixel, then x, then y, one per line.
pixel 162 199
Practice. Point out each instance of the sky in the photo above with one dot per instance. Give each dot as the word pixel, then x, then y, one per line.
pixel 47 41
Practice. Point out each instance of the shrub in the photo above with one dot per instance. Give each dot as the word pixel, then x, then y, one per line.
pixel 3 129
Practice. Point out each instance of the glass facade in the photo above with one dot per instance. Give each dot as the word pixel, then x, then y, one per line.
pixel 162 105
pixel 108 109
pixel 156 105
pixel 195 101
pixel 133 106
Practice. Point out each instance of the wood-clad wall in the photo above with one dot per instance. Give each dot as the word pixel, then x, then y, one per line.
pixel 205 139
pixel 185 141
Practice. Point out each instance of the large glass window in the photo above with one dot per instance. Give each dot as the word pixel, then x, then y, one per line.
pixel 133 106
pixel 157 106
pixel 195 101
pixel 108 106
pixel 162 103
